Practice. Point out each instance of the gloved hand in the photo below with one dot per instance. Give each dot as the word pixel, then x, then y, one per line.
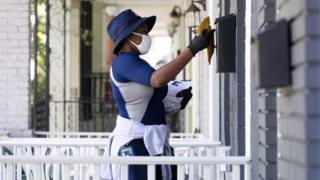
pixel 200 42
pixel 178 96
pixel 186 96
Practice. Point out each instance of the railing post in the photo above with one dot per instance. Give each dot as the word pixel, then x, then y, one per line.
pixel 247 171
pixel 37 168
pixel 212 168
pixel 223 151
pixel 199 167
pixel 207 172
pixel 56 171
pixel 27 170
pixel 219 166
pixel 151 172
pixel 10 171
pixel 96 167
pixel 82 153
pixel 76 166
pixel 14 152
pixel 1 164
pixel 124 171
pixel 181 170
pixel 1 170
pixel 19 167
pixel 56 167
pixel 236 172
pixel 65 172
pixel 96 172
pixel 39 174
pixel 65 168
pixel 191 166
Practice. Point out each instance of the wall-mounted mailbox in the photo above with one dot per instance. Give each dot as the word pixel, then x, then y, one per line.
pixel 226 43
pixel 273 56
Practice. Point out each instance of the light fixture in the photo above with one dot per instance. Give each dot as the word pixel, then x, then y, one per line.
pixel 193 17
pixel 193 8
pixel 202 2
pixel 175 15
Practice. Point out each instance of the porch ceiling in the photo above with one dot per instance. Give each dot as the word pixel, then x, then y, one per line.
pixel 139 2
pixel 159 8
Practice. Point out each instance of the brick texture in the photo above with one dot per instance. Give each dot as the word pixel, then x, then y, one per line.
pixel 264 14
pixel 14 64
pixel 298 106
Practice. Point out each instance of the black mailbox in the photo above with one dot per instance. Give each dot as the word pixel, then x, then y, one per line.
pixel 273 56
pixel 226 43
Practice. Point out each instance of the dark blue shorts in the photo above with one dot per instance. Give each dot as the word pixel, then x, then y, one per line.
pixel 136 147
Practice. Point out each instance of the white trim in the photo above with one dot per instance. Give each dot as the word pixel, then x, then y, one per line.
pixel 214 87
pixel 248 85
pixel 107 134
pixel 240 160
pixel 138 2
pixel 79 142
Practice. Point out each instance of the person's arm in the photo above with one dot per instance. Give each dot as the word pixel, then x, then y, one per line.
pixel 169 71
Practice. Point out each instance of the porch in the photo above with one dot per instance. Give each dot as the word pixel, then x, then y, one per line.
pixel 80 156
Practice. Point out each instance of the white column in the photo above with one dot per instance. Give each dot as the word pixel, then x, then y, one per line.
pixel 72 61
pixel 214 86
pixel 248 86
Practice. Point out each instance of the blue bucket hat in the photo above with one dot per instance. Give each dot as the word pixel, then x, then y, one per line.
pixel 124 24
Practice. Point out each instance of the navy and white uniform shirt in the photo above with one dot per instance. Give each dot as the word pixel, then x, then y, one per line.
pixel 131 89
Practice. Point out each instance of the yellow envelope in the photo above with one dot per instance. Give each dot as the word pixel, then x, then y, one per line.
pixel 205 24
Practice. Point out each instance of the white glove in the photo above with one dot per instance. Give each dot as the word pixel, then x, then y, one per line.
pixel 177 98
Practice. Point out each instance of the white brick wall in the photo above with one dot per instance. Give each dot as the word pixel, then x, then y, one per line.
pixel 299 106
pixel 14 64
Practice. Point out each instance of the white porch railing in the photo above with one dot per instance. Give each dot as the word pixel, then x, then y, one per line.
pixel 3 134
pixel 104 135
pixel 78 155
pixel 66 168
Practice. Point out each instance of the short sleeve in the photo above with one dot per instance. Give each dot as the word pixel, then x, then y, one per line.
pixel 130 68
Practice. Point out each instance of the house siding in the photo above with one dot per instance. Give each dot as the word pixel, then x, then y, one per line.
pixel 298 106
pixel 267 105
pixel 14 65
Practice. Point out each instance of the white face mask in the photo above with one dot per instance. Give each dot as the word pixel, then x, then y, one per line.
pixel 145 44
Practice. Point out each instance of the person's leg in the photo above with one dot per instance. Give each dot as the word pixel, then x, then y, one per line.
pixel 158 172
pixel 174 168
pixel 136 147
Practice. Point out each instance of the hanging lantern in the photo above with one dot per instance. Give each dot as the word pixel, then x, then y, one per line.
pixel 193 15
pixel 193 18
pixel 175 15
